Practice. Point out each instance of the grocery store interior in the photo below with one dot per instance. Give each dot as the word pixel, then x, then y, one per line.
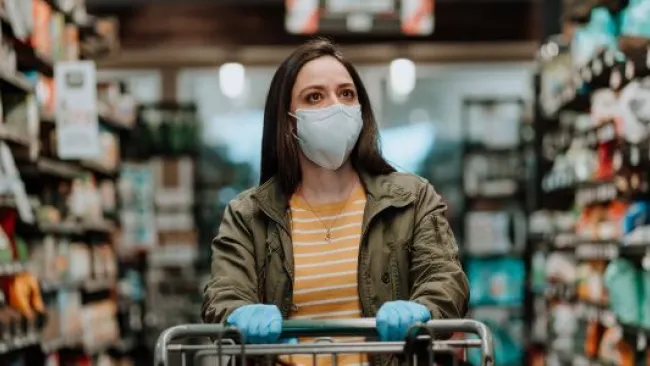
pixel 126 127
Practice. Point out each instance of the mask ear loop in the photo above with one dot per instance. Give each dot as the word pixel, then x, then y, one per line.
pixel 293 130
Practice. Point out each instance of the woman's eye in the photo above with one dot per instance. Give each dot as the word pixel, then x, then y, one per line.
pixel 347 93
pixel 314 97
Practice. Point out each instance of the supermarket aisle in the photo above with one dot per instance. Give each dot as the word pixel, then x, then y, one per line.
pixel 590 269
pixel 65 299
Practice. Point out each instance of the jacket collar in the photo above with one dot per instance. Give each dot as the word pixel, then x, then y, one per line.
pixel 382 191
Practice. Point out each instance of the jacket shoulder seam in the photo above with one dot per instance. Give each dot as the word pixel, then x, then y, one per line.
pixel 416 189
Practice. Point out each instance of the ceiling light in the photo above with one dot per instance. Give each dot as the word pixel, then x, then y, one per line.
pixel 232 79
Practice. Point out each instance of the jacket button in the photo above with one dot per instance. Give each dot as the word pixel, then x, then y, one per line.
pixel 385 277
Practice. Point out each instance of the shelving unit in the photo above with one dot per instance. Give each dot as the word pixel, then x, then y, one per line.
pixel 62 288
pixel 497 179
pixel 160 221
pixel 588 234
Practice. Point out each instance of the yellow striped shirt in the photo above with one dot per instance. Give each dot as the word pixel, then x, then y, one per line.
pixel 326 269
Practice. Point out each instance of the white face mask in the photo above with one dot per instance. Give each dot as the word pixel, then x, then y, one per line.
pixel 328 135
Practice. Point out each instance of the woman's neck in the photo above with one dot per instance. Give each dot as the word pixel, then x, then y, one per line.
pixel 321 185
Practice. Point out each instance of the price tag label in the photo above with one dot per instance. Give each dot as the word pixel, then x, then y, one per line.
pixel 597 251
pixel 77 125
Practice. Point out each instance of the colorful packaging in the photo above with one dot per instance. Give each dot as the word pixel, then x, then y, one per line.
pixel 496 281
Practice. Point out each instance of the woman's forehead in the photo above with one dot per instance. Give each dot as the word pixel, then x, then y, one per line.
pixel 323 71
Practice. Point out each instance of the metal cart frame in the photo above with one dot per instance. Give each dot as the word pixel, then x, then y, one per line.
pixel 420 341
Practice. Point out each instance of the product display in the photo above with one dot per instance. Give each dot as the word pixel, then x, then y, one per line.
pixel 108 211
pixel 507 330
pixel 498 281
pixel 58 255
pixel 592 227
pixel 496 177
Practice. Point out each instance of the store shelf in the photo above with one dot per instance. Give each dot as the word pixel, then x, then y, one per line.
pixel 73 240
pixel 45 166
pixel 13 138
pixel 17 344
pixel 114 122
pixel 104 226
pixel 13 268
pixel 61 343
pixel 99 169
pixel 593 208
pixel 603 250
pixel 89 285
pixel 68 228
pixel 14 81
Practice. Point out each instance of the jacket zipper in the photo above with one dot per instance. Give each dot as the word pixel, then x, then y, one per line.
pixel 365 311
pixel 285 309
pixel 265 270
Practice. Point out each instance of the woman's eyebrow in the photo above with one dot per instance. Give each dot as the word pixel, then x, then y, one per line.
pixel 312 86
pixel 322 87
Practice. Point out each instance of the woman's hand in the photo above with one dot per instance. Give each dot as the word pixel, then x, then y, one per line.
pixel 260 324
pixel 394 318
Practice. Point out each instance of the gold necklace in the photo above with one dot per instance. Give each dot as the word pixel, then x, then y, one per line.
pixel 328 230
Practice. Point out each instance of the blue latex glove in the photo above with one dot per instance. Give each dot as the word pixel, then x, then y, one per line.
pixel 394 318
pixel 260 324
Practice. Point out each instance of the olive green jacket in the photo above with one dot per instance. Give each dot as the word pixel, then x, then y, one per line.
pixel 407 251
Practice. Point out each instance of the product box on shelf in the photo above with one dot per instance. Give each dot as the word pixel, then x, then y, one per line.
pixel 80 261
pixel 108 28
pixel 99 322
pixel 8 57
pixel 57 29
pixel 20 17
pixel 70 43
pixel 109 157
pixel 175 220
pixel 44 91
pixel 138 232
pixel 176 228
pixel 46 261
pixel 108 197
pixel 114 104
pixel 104 262
pixel 110 150
pixel 136 186
pixel 493 233
pixel 178 237
pixel 20 116
pixel 85 200
pixel 70 325
pixel 174 182
pixel 41 32
pixel 174 255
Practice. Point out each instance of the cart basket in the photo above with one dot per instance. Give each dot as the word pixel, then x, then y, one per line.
pixel 420 341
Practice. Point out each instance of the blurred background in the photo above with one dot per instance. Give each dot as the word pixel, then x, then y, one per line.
pixel 126 126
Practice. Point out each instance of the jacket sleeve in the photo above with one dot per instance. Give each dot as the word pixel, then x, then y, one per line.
pixel 234 279
pixel 439 282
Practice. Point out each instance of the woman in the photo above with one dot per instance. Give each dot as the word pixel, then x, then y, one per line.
pixel 332 231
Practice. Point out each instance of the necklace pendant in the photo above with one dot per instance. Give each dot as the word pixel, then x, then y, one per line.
pixel 328 237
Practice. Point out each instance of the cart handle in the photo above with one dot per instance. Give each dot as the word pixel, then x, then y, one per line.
pixel 366 327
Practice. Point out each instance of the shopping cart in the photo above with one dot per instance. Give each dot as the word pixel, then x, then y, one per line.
pixel 420 346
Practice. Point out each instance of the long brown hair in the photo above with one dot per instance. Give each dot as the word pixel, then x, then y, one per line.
pixel 279 147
